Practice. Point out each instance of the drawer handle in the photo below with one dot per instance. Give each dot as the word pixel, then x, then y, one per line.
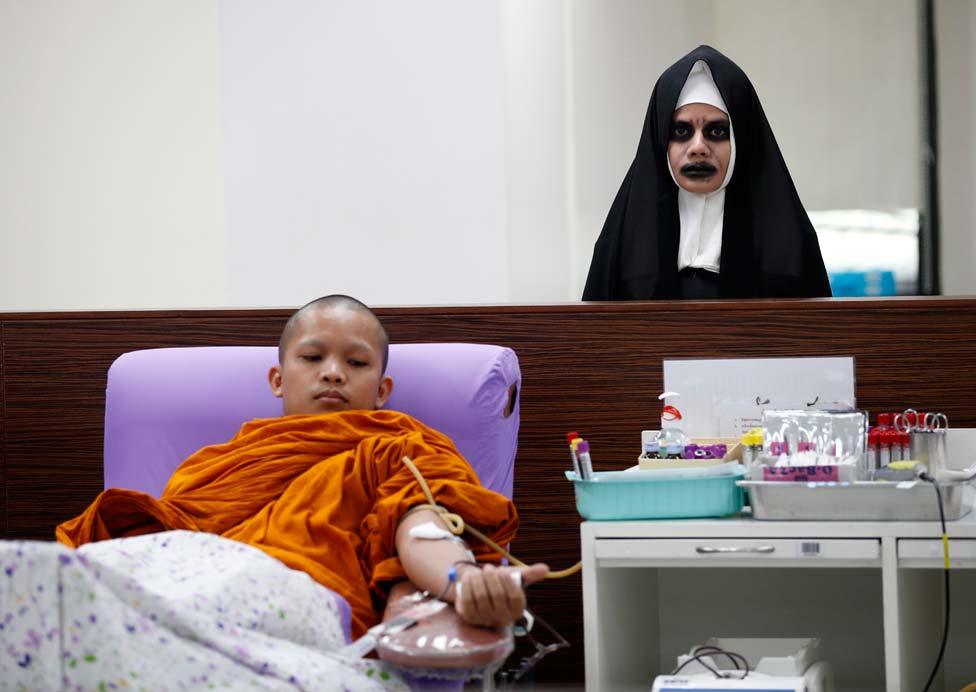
pixel 709 550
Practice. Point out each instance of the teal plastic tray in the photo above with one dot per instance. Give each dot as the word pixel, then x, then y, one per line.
pixel 626 495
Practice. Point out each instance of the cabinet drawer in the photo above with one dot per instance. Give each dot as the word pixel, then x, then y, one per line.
pixel 927 552
pixel 746 552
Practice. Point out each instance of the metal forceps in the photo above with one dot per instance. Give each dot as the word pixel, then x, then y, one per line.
pixel 911 421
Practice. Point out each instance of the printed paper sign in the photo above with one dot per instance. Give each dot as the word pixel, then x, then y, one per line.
pixel 726 397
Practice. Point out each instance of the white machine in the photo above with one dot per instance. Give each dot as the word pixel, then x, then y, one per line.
pixel 783 665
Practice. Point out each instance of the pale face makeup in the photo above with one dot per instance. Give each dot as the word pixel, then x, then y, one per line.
pixel 700 147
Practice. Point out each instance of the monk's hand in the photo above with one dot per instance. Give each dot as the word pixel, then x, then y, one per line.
pixel 492 596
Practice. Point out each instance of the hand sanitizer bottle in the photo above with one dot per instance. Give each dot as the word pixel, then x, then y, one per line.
pixel 671 439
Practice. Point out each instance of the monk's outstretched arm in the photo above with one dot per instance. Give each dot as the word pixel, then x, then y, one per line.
pixel 489 595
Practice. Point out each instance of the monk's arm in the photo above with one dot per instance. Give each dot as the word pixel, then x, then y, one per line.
pixel 489 595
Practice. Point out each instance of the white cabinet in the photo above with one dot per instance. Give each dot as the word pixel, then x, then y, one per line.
pixel 872 591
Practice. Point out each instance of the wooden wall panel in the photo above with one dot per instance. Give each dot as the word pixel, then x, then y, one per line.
pixel 3 444
pixel 55 382
pixel 595 368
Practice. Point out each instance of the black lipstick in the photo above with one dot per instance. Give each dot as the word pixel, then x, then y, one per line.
pixel 699 170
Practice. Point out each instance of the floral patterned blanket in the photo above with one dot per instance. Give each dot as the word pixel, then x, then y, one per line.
pixel 179 610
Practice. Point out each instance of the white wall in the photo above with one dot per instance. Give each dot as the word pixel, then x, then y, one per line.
pixel 539 151
pixel 238 153
pixel 956 24
pixel 839 83
pixel 110 170
pixel 364 151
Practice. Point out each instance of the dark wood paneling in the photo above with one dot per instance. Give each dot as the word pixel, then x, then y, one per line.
pixel 595 368
pixel 3 445
pixel 55 384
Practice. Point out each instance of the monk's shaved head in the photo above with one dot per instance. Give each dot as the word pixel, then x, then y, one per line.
pixel 336 301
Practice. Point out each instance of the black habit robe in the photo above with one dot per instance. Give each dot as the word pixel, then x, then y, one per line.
pixel 769 247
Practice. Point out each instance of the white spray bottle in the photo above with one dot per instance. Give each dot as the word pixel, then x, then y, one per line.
pixel 671 439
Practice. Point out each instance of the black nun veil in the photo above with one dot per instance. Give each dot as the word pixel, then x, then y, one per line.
pixel 769 247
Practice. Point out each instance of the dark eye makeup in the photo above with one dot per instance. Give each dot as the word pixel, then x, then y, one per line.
pixel 716 131
pixel 680 131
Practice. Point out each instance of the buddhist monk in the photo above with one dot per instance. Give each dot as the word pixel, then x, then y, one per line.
pixel 324 488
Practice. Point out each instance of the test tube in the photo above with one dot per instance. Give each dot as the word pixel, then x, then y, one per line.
pixel 896 450
pixel 583 453
pixel 570 438
pixel 872 455
pixel 884 448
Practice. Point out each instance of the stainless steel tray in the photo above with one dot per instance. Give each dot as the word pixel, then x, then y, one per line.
pixel 858 501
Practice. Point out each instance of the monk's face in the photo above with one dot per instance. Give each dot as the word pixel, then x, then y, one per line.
pixel 332 362
pixel 699 147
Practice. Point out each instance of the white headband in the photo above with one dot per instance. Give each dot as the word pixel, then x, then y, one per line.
pixel 700 88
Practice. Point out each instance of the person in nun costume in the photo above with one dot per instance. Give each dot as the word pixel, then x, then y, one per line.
pixel 708 208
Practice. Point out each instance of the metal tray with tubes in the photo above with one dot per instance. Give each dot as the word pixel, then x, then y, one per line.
pixel 857 501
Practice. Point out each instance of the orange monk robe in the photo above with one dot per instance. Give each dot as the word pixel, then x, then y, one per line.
pixel 324 494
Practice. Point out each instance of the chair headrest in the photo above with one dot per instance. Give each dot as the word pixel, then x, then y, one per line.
pixel 161 405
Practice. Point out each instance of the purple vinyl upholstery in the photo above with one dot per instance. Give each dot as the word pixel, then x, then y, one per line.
pixel 161 405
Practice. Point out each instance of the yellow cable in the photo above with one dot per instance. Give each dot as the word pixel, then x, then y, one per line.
pixel 457 526
pixel 945 549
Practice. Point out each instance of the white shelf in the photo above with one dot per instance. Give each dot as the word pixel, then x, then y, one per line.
pixel 651 586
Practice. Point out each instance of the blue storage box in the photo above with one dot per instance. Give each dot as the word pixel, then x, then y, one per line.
pixel 869 283
pixel 646 495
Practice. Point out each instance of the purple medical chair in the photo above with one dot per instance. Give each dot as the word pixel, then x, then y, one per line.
pixel 161 405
